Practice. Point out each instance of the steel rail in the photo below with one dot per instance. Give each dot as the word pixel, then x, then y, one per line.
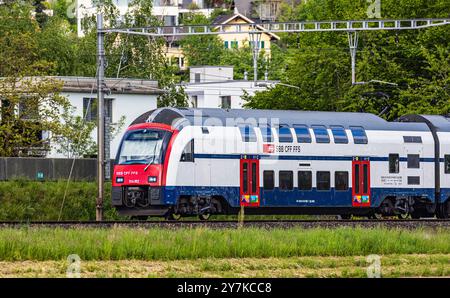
pixel 326 223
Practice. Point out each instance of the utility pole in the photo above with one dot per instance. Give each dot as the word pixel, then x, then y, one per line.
pixel 255 38
pixel 353 45
pixel 100 116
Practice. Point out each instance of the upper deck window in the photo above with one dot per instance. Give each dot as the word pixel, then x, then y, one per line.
pixel 302 132
pixel 412 139
pixel 284 134
pixel 359 135
pixel 247 134
pixel 321 134
pixel 339 134
pixel 266 132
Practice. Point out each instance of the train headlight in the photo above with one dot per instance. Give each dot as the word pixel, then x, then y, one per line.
pixel 119 179
pixel 152 179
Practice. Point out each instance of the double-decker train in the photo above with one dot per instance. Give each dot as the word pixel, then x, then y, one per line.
pixel 177 162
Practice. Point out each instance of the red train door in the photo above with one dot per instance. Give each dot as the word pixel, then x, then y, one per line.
pixel 249 182
pixel 360 183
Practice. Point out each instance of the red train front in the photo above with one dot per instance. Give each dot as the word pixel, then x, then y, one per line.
pixel 139 173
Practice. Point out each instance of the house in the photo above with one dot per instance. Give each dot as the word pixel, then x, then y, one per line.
pixel 214 87
pixel 239 40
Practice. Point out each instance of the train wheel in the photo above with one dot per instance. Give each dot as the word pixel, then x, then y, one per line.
pixel 403 215
pixel 173 216
pixel 204 216
pixel 376 215
pixel 346 216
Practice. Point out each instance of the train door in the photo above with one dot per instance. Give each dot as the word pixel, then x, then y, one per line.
pixel 249 182
pixel 360 183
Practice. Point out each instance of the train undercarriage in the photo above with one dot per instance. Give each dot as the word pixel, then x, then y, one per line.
pixel 141 202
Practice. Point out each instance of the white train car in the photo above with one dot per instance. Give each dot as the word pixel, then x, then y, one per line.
pixel 177 162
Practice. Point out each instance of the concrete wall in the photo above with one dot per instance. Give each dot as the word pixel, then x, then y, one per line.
pixel 47 168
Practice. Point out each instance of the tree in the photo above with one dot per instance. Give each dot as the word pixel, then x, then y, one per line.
pixel 319 63
pixel 31 103
pixel 201 49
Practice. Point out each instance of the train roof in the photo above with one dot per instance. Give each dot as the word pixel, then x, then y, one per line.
pixel 434 122
pixel 181 117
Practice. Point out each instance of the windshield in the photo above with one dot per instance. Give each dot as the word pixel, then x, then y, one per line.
pixel 142 147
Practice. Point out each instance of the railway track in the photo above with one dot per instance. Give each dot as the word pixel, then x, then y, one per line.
pixel 405 224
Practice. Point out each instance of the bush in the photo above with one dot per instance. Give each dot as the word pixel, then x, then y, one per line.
pixel 35 200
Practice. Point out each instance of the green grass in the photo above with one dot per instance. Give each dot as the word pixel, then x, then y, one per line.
pixel 165 244
pixel 42 200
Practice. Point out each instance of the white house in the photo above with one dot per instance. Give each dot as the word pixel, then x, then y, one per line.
pixel 214 87
pixel 128 98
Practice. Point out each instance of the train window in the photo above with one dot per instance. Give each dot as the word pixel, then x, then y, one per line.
pixel 412 139
pixel 323 180
pixel 413 161
pixel 247 134
pixel 413 180
pixel 304 180
pixel 188 153
pixel 254 182
pixel 321 134
pixel 394 163
pixel 269 180
pixel 359 135
pixel 266 132
pixel 286 180
pixel 447 164
pixel 365 178
pixel 356 178
pixel 284 134
pixel 302 132
pixel 339 135
pixel 245 177
pixel 341 180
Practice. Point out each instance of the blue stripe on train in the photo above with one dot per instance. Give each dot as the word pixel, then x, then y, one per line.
pixel 294 198
pixel 301 157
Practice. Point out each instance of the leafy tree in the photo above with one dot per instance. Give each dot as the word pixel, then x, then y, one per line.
pixel 319 63
pixel 201 49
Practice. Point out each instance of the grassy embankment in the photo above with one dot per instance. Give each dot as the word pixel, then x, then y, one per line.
pixel 225 253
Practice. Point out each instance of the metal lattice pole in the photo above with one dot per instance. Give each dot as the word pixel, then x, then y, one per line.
pixel 353 45
pixel 255 38
pixel 100 117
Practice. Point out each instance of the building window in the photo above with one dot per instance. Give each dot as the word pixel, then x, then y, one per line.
pixel 269 180
pixel 247 134
pixel 28 109
pixel 90 108
pixel 262 44
pixel 194 99
pixel 321 134
pixel 304 180
pixel 413 180
pixel 197 77
pixel 225 44
pixel 286 180
pixel 413 161
pixel 284 134
pixel 188 153
pixel 341 180
pixel 302 132
pixel 169 20
pixel 266 133
pixel 394 163
pixel 412 139
pixel 339 135
pixel 234 44
pixel 323 180
pixel 359 135
pixel 226 102
pixel 447 164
